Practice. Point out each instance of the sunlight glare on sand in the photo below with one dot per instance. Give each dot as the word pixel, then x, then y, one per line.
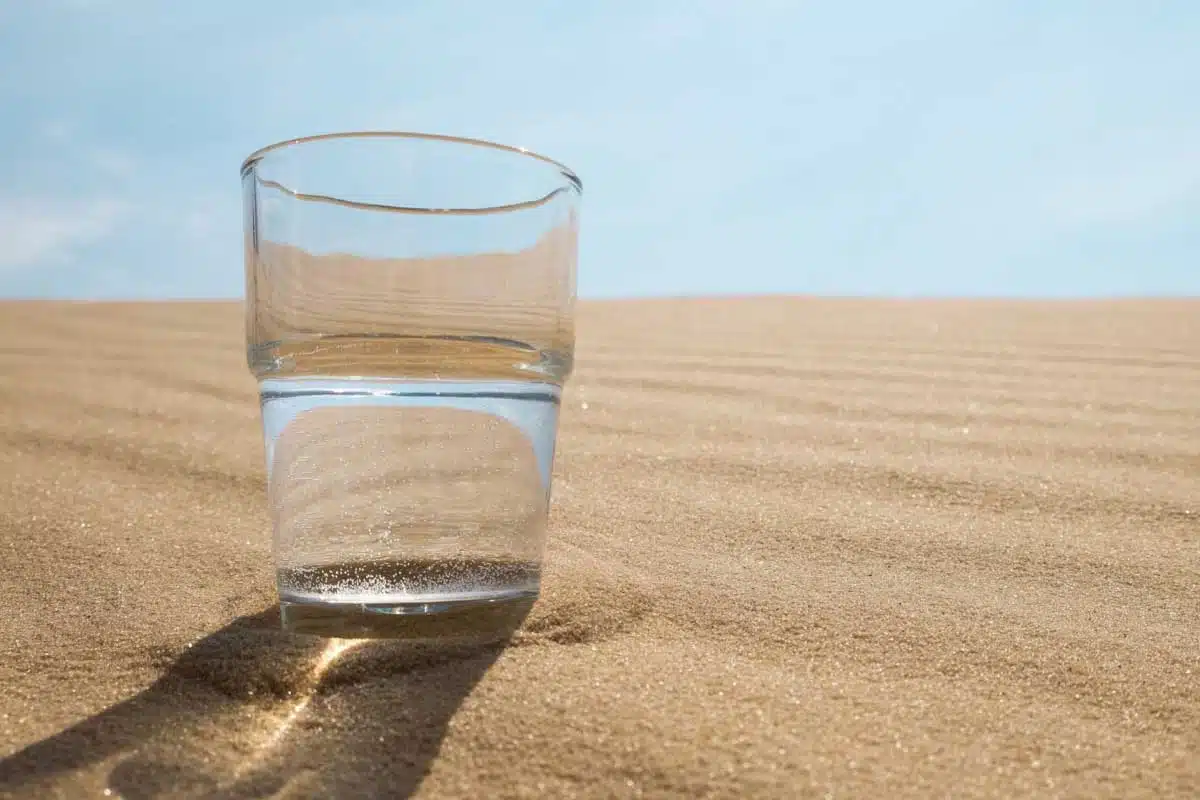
pixel 333 650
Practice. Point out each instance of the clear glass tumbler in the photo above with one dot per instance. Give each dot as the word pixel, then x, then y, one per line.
pixel 409 317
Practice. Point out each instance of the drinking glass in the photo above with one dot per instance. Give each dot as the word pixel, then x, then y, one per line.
pixel 409 318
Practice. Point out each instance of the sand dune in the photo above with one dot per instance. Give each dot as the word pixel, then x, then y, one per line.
pixel 797 548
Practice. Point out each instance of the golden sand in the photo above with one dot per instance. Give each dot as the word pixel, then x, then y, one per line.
pixel 798 548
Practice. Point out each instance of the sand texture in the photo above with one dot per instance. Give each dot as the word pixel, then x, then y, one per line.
pixel 798 548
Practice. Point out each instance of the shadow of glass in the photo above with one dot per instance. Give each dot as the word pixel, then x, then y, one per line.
pixel 250 711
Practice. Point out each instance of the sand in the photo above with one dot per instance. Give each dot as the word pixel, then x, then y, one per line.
pixel 799 548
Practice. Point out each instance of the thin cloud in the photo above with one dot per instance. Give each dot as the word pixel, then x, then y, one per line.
pixel 40 231
pixel 1129 185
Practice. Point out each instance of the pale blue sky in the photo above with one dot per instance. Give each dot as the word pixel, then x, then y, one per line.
pixel 918 148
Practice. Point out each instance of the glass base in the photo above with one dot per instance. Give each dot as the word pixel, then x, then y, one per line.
pixel 494 617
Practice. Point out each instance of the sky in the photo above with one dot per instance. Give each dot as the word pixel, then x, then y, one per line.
pixel 921 148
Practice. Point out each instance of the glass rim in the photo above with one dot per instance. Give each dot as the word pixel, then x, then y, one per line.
pixel 568 173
